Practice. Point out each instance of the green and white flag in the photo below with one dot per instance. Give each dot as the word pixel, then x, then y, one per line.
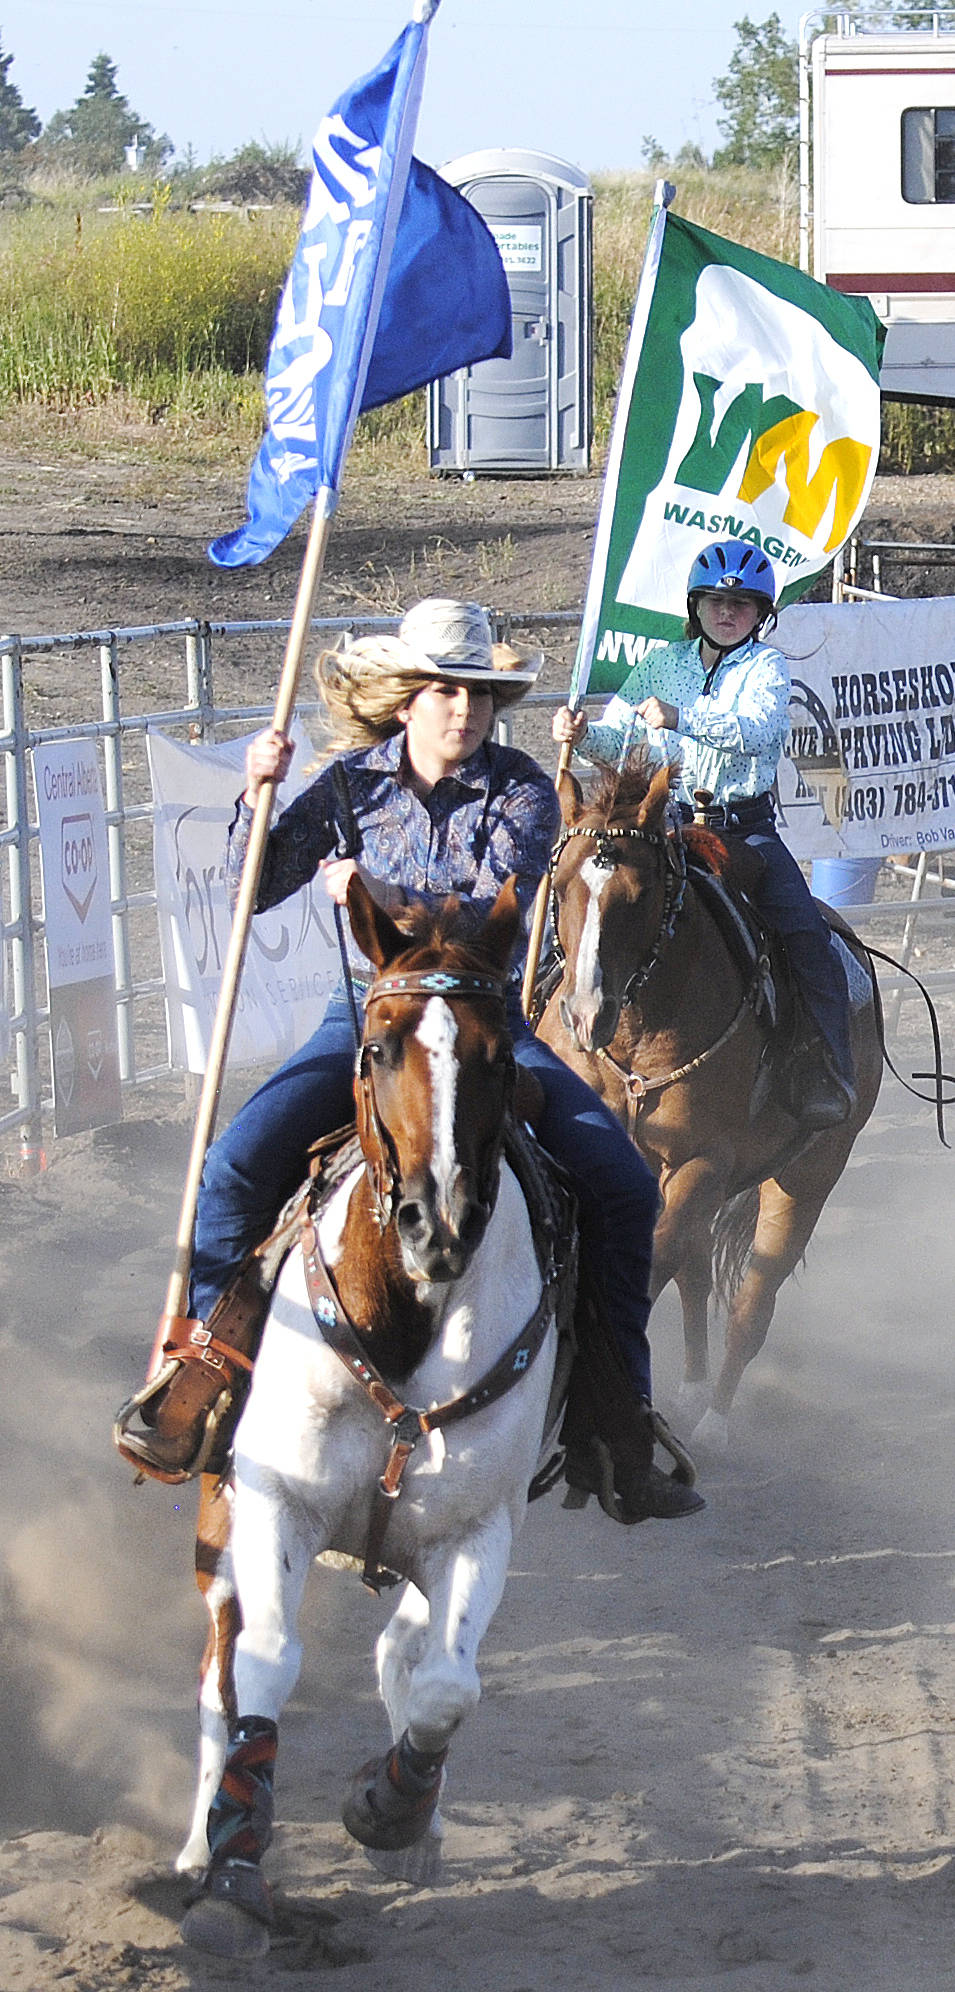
pixel 748 409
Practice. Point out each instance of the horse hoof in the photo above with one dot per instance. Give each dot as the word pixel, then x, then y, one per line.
pixel 224 1930
pixel 379 1814
pixel 419 1865
pixel 712 1434
pixel 231 1917
pixel 693 1401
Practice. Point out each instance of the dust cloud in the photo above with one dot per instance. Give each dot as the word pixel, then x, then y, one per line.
pixel 724 1746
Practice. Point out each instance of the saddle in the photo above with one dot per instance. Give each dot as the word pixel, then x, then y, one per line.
pixel 188 1413
pixel 724 879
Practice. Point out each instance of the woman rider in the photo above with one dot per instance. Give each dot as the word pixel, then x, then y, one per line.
pixel 440 807
pixel 720 699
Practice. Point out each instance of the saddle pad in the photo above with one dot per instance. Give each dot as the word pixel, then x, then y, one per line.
pixel 735 929
pixel 860 985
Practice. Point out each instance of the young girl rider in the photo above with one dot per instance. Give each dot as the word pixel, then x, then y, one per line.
pixel 720 700
pixel 439 807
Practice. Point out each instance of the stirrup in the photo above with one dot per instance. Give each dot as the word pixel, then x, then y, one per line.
pixel 684 1470
pixel 172 1460
pixel 203 1374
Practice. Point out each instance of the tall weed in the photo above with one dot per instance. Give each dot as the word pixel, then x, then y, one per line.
pixel 170 312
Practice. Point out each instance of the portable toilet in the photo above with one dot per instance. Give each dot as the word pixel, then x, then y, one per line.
pixel 534 411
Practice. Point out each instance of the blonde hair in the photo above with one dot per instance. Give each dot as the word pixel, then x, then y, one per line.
pixel 363 687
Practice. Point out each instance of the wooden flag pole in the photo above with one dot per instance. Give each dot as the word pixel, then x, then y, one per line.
pixel 539 919
pixel 177 1295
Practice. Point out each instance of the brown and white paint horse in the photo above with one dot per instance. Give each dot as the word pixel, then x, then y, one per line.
pixel 428 1244
pixel 658 1015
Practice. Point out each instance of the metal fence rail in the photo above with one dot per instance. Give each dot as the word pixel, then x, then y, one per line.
pixel 71 686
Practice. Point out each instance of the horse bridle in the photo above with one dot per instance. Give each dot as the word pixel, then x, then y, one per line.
pixel 408 1423
pixel 636 1085
pixel 381 1159
pixel 674 883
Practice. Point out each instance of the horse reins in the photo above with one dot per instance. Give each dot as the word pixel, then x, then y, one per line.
pixel 408 1424
pixel 674 884
pixel 636 1084
pixel 380 1158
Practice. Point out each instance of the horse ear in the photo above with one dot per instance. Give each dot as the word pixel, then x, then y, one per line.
pixel 374 929
pixel 571 797
pixel 500 929
pixel 650 812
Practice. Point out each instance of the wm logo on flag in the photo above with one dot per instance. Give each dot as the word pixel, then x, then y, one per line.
pixel 778 432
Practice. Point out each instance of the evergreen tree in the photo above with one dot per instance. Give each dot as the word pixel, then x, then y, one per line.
pixel 18 124
pixel 93 135
pixel 760 96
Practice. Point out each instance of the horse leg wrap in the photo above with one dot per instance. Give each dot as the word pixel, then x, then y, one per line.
pixel 240 1817
pixel 392 1799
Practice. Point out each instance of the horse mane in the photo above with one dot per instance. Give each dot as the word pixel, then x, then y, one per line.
pixel 442 933
pixel 620 791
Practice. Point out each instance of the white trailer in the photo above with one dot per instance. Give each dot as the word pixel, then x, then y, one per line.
pixel 877 158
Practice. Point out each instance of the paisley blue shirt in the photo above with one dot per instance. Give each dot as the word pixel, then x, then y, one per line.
pixel 730 739
pixel 495 814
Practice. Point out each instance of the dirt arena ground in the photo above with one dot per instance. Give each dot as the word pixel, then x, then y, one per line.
pixel 712 1754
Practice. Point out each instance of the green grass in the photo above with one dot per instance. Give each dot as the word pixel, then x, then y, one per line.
pixel 93 305
pixel 162 320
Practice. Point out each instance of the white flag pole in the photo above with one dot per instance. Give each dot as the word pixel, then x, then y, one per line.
pixel 664 193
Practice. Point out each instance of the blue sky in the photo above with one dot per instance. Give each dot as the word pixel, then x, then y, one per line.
pixel 586 80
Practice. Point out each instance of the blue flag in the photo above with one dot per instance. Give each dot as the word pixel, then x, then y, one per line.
pixel 396 280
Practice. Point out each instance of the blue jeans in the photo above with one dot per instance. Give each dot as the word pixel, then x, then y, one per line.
pixel 786 903
pixel 261 1159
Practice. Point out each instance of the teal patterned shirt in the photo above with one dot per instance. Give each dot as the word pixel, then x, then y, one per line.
pixel 730 739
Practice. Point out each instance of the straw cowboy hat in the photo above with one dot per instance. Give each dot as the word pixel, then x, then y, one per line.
pixel 452 640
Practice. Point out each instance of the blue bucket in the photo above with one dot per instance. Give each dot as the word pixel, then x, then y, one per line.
pixel 845 881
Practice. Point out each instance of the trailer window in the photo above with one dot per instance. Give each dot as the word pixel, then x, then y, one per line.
pixel 928 155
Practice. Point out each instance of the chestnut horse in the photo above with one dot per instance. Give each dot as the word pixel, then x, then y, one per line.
pixel 425 1240
pixel 658 1011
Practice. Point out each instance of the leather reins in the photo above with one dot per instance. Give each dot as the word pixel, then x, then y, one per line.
pixel 408 1423
pixel 638 1085
pixel 377 1146
pixel 673 853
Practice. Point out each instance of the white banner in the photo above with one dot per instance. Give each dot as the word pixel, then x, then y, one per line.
pixel 292 962
pixel 871 766
pixel 79 936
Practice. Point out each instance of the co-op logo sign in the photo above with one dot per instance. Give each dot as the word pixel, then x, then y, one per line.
pixel 78 862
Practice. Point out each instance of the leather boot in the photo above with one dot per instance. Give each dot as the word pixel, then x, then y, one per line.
pixel 609 1433
pixel 818 1094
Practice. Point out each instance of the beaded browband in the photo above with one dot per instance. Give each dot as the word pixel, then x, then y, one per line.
pixel 435 982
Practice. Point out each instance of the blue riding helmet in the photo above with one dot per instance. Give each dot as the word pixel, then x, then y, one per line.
pixel 733 564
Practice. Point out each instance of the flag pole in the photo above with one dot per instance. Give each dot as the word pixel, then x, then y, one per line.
pixel 541 902
pixel 177 1294
pixel 664 192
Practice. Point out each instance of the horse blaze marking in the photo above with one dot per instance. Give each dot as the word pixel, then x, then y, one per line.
pixel 588 977
pixel 438 1032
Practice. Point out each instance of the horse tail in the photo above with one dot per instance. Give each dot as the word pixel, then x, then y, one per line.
pixel 734 1228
